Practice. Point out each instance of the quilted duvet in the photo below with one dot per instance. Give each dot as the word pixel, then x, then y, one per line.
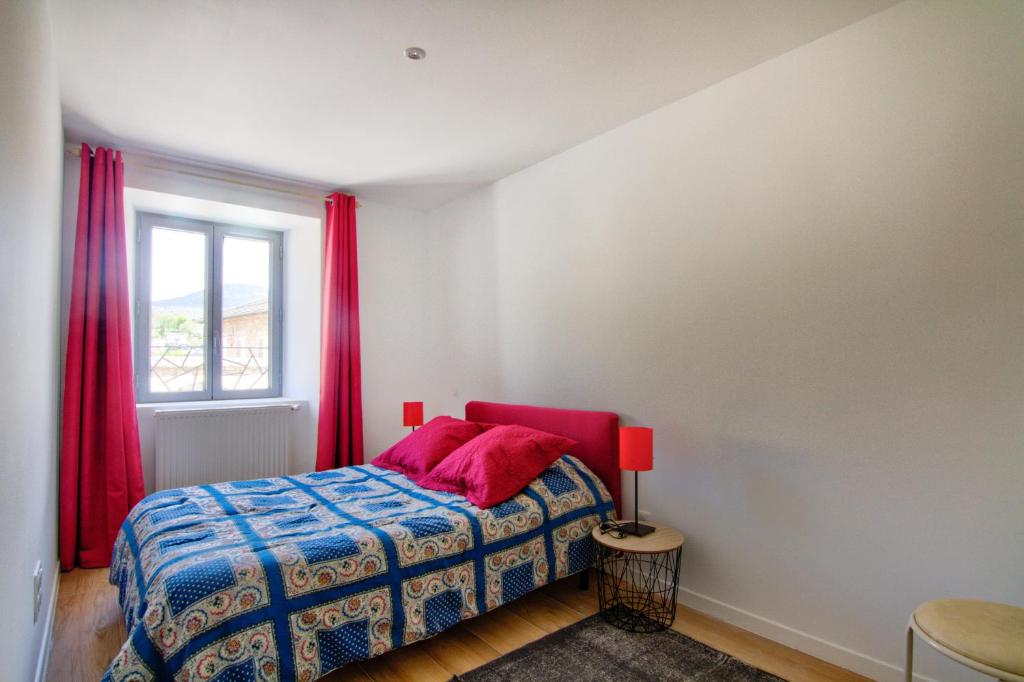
pixel 290 578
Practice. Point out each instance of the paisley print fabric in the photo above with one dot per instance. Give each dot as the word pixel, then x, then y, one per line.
pixel 290 578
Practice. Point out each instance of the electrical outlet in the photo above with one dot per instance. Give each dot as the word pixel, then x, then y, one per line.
pixel 644 515
pixel 37 590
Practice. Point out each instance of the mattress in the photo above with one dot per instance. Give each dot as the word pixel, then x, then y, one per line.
pixel 290 578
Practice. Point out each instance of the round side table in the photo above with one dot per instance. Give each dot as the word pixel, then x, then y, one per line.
pixel 637 577
pixel 982 635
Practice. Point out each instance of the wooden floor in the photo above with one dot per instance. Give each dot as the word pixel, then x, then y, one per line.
pixel 89 631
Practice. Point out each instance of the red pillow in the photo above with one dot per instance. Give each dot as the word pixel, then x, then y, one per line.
pixel 497 464
pixel 419 452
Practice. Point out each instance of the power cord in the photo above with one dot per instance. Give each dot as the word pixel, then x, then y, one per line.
pixel 614 528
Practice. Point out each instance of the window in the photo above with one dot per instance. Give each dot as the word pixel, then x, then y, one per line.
pixel 208 310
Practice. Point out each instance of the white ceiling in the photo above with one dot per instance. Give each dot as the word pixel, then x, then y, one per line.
pixel 320 90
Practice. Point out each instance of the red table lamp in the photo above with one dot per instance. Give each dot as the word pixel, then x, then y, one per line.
pixel 412 414
pixel 636 453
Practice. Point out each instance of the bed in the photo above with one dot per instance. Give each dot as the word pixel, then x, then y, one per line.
pixel 292 577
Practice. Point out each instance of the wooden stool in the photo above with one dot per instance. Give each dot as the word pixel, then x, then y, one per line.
pixel 981 635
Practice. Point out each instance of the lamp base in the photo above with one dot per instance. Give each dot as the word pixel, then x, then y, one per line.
pixel 636 528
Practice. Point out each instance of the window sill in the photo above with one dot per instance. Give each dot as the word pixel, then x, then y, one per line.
pixel 221 404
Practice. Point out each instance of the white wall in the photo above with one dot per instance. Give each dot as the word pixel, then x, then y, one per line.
pixel 808 279
pixel 401 320
pixel 30 186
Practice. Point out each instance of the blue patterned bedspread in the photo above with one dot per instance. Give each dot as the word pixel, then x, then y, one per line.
pixel 289 578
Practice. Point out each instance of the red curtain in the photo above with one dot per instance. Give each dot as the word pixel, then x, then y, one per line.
pixel 100 465
pixel 340 431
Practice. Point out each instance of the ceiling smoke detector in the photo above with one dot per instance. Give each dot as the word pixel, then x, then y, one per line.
pixel 415 53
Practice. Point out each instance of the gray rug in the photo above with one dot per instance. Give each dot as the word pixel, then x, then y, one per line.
pixel 593 650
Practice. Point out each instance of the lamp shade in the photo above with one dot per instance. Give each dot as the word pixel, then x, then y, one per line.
pixel 412 414
pixel 636 448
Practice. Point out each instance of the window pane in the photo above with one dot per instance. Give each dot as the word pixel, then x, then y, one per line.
pixel 177 316
pixel 245 315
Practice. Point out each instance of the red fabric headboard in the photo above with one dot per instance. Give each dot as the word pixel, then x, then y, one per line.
pixel 596 432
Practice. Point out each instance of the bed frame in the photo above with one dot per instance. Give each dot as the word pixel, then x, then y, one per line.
pixel 597 434
pixel 239 544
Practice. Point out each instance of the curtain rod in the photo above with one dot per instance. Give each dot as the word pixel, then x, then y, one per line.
pixel 75 150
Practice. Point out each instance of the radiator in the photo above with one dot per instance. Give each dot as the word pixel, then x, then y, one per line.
pixel 195 447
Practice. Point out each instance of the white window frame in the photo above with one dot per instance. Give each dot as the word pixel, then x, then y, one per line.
pixel 215 234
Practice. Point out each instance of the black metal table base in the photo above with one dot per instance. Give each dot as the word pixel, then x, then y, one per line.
pixel 637 592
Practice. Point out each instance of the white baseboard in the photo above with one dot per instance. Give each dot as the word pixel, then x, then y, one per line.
pixel 46 646
pixel 837 654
